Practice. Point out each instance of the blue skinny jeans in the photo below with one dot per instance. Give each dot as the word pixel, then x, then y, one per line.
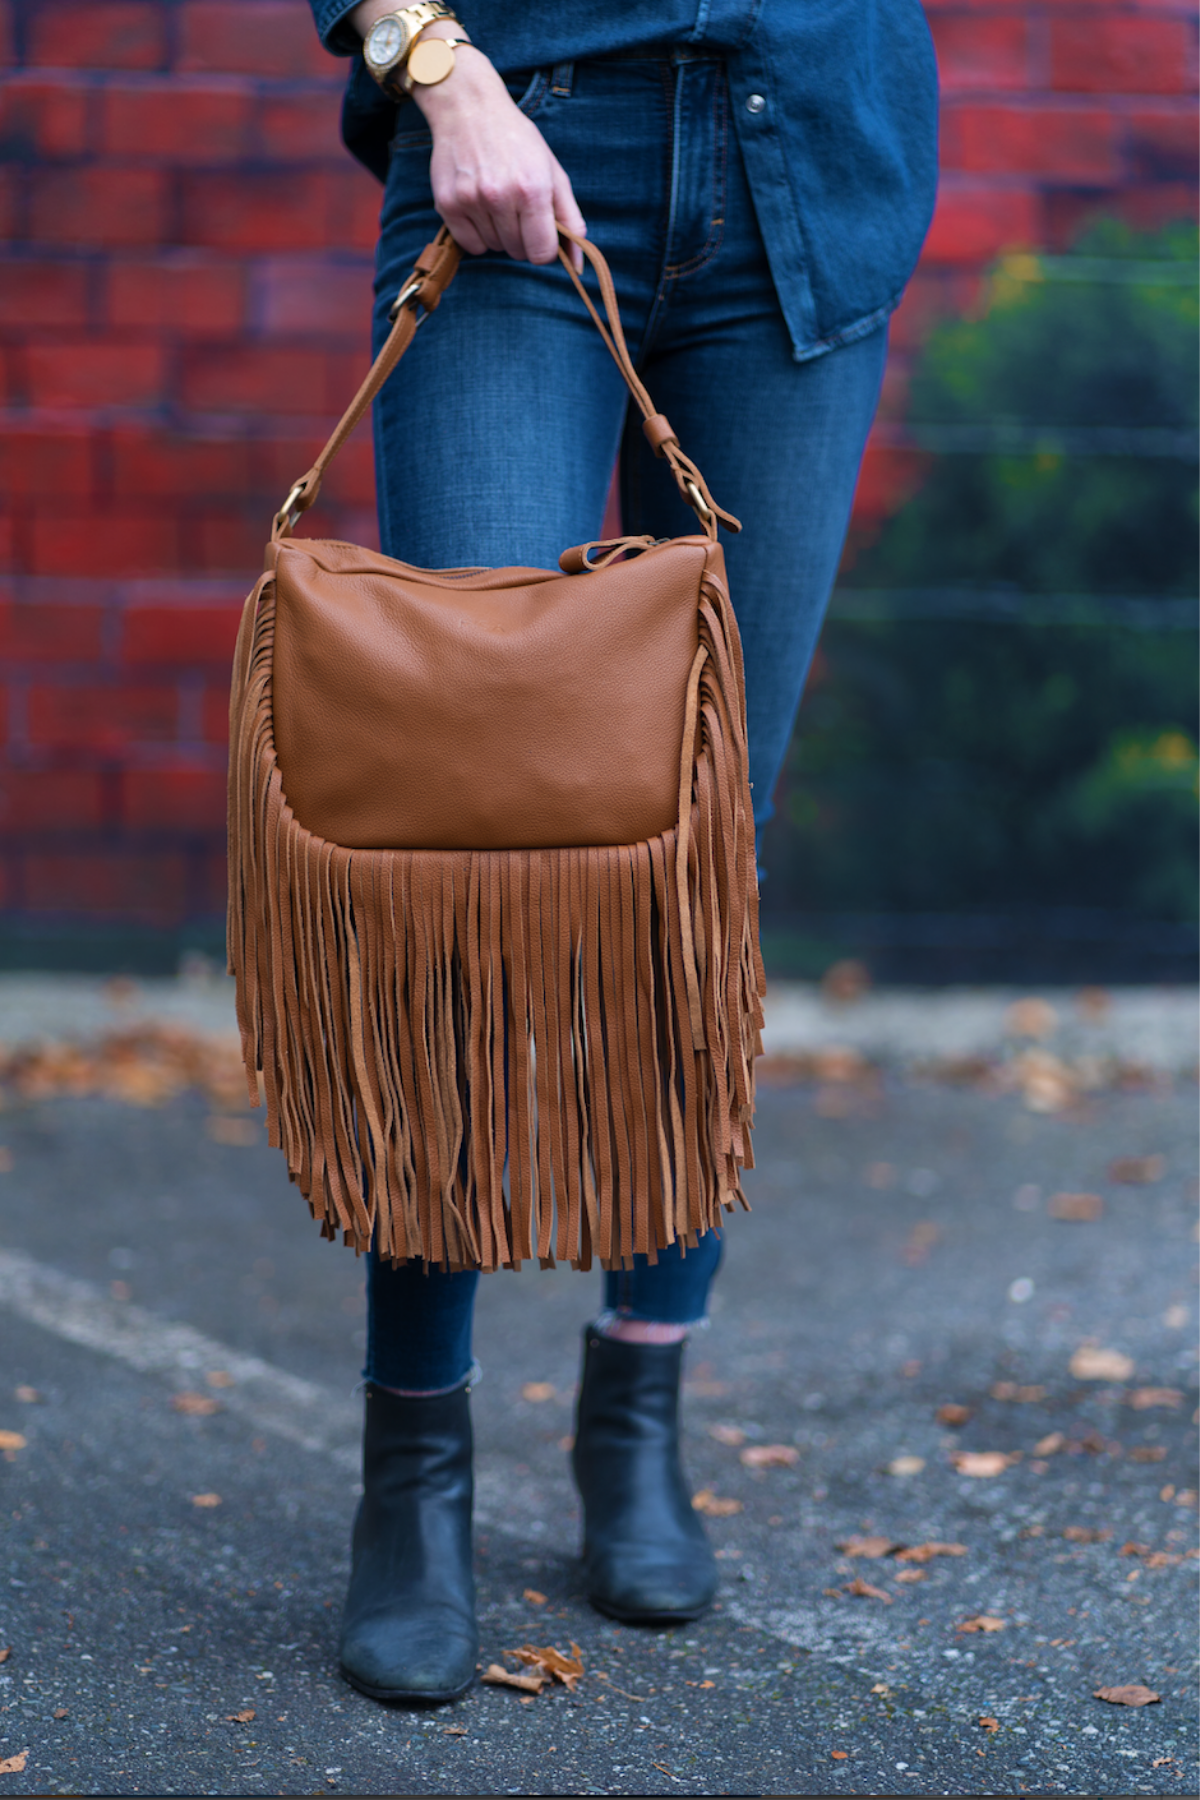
pixel 496 439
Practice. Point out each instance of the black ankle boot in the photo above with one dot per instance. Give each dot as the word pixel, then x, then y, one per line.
pixel 646 1558
pixel 409 1631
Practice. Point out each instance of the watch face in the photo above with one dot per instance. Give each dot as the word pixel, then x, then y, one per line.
pixel 385 40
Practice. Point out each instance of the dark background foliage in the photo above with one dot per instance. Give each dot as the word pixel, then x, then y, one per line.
pixel 1001 725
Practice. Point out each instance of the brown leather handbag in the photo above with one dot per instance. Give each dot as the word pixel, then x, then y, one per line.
pixel 492 890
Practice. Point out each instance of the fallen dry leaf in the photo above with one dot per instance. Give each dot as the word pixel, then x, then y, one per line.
pixel 1012 1390
pixel 911 1574
pixel 1031 1018
pixel 533 1597
pixel 28 1396
pixel 1090 1363
pixel 952 1414
pixel 454 1731
pixel 1044 1081
pixel 713 1507
pixel 1093 1003
pixel 1086 1534
pixel 846 981
pixel 919 1242
pixel 906 1465
pixel 1075 1209
pixel 865 1591
pixel 1148 1453
pixel 838 1063
pixel 200 1405
pixel 1141 1399
pixel 11 1440
pixel 1137 1171
pixel 537 1391
pixel 881 1687
pixel 1133 1695
pixel 984 1463
pixel 240 1132
pixel 733 1435
pixel 640 1698
pixel 1161 1762
pixel 983 1622
pixel 6 1160
pixel 870 1547
pixel 552 1662
pixel 240 1718
pixel 498 1677
pixel 923 1553
pixel 989 1724
pixel 5 1653
pixel 770 1456
pixel 206 1499
pixel 704 1387
pixel 839 1755
pixel 60 1712
pixel 1049 1445
pixel 12 1765
pixel 220 1378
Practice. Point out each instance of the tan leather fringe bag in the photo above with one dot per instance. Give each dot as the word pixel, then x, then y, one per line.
pixel 492 889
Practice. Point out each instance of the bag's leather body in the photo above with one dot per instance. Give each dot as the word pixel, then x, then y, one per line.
pixel 539 709
pixel 492 895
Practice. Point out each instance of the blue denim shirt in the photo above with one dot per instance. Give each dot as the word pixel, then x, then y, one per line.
pixel 835 103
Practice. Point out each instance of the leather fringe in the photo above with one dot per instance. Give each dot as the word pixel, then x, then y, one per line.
pixel 483 1057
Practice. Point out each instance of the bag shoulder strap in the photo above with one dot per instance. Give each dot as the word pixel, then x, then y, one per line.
pixel 432 274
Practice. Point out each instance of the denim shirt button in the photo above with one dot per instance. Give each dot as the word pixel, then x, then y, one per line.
pixel 755 103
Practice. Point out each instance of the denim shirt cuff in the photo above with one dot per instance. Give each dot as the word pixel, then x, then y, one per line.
pixel 333 26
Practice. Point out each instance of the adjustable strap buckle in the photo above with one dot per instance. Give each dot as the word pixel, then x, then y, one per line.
pixel 409 291
pixel 289 512
pixel 697 501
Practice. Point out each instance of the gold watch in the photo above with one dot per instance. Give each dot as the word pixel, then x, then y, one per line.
pixel 388 44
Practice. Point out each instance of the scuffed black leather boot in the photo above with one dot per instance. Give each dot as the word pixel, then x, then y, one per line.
pixel 646 1558
pixel 409 1631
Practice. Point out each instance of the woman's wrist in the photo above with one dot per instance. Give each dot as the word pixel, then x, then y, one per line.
pixel 472 79
pixel 468 61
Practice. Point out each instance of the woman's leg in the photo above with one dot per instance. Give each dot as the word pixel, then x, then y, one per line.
pixel 418 1327
pixel 658 1303
pixel 494 442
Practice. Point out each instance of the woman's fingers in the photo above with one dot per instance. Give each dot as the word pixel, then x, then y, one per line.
pixel 496 182
pixel 566 210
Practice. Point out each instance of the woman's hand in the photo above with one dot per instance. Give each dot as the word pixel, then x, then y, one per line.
pixel 496 182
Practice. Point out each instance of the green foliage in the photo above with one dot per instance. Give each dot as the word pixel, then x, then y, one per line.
pixel 978 763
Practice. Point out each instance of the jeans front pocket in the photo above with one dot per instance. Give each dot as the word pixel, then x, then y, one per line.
pixel 526 88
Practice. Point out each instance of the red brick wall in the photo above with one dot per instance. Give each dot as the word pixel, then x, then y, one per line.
pixel 183 303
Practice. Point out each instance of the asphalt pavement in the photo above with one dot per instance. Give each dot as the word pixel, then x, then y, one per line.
pixel 179 1354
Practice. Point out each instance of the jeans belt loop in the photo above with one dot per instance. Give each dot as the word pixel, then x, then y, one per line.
pixel 561 77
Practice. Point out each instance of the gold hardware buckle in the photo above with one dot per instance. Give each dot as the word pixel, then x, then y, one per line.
pixel 289 512
pixel 409 291
pixel 698 502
